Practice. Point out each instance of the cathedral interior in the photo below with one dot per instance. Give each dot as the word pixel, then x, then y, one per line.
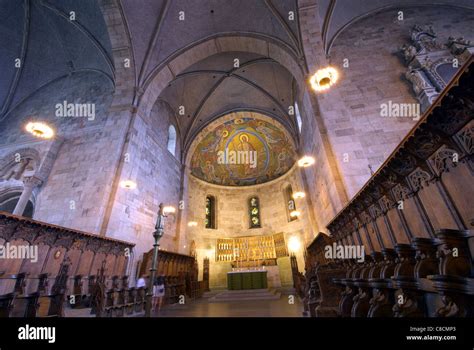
pixel 269 158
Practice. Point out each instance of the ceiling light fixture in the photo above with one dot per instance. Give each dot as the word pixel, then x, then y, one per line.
pixel 128 184
pixel 298 195
pixel 306 161
pixel 39 129
pixel 295 214
pixel 323 79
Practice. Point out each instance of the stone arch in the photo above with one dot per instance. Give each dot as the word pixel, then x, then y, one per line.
pixel 228 115
pixel 379 10
pixel 122 53
pixel 262 112
pixel 262 45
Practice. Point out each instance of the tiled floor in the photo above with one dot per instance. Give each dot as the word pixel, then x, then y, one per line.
pixel 266 308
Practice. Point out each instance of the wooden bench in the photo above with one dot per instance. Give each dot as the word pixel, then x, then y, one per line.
pixel 426 278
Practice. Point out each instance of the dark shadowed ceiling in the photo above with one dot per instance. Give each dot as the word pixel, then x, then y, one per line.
pixel 158 33
pixel 213 87
pixel 49 45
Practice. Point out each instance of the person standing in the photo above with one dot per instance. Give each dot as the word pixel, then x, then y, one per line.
pixel 158 292
pixel 141 283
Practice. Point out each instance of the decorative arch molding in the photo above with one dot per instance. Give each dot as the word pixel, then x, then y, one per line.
pixel 211 121
pixel 329 43
pixel 223 117
pixel 257 187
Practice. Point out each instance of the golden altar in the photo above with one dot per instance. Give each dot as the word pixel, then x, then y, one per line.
pixel 251 251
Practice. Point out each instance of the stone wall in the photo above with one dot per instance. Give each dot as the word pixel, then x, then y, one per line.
pixel 352 134
pixel 72 195
pixel 157 173
pixel 324 181
pixel 375 76
pixel 233 220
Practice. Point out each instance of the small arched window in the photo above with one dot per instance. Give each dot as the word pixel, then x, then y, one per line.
pixel 210 221
pixel 9 200
pixel 172 140
pixel 254 213
pixel 298 117
pixel 290 203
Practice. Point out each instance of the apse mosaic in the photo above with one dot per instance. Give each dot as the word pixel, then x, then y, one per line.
pixel 242 152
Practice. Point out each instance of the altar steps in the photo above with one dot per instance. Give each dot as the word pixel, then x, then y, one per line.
pixel 245 295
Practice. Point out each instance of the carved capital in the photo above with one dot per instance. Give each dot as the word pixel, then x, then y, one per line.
pixel 32 182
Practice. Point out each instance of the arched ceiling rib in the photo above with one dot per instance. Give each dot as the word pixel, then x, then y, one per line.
pixel 158 29
pixel 49 45
pixel 335 15
pixel 259 83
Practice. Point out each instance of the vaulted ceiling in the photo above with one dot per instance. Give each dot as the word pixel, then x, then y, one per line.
pixel 39 44
pixel 213 87
pixel 50 46
pixel 161 29
pixel 336 15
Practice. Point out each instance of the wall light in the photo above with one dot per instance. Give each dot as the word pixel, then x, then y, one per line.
pixel 128 184
pixel 295 214
pixel 169 210
pixel 324 78
pixel 39 129
pixel 209 252
pixel 306 161
pixel 192 224
pixel 294 244
pixel 298 195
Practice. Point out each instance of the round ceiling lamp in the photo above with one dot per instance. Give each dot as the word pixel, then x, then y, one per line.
pixel 298 195
pixel 128 184
pixel 39 129
pixel 323 79
pixel 306 161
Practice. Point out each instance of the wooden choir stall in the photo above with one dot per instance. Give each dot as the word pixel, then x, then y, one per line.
pixel 414 219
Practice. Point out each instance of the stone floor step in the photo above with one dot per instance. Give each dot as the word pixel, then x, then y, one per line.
pixel 244 295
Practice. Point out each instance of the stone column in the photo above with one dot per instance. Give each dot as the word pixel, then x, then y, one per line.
pixel 29 185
